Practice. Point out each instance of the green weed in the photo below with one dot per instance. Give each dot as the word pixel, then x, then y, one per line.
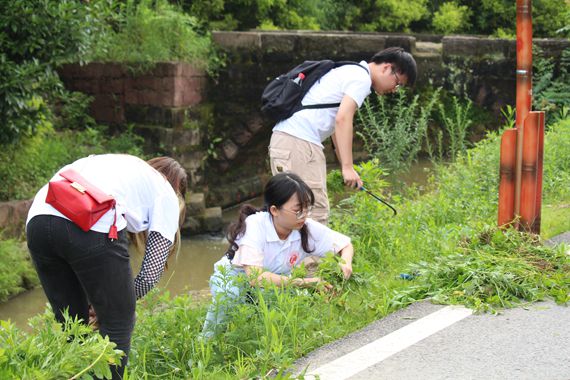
pixel 53 351
pixel 393 128
pixel 16 270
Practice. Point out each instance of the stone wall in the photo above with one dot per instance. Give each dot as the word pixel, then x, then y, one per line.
pixel 158 96
pixel 13 216
pixel 160 102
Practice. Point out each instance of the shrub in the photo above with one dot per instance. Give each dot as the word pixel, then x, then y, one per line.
pixel 451 18
pixel 16 270
pixel 551 85
pixel 154 31
pixel 27 165
pixel 36 37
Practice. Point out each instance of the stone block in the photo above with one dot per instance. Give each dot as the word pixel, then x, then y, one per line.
pixel 337 46
pixel 13 215
pixel 279 42
pixel 189 71
pixel 230 149
pixel 191 226
pixel 238 40
pixel 156 138
pixel 241 135
pixel 195 204
pixel 478 48
pixel 403 41
pixel 152 115
pixel 212 219
pixel 164 69
pixel 113 85
pixel 256 123
pixel 168 84
pixel 6 211
pixel 187 139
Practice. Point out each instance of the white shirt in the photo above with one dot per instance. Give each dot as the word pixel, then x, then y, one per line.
pixel 316 125
pixel 260 245
pixel 145 199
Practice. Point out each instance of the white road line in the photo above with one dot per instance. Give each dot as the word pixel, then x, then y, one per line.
pixel 381 349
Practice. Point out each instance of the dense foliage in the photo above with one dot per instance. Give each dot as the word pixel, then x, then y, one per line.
pixel 144 32
pixel 36 37
pixel 27 165
pixel 16 270
pixel 487 17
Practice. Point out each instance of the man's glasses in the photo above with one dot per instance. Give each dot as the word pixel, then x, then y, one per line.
pixel 398 83
pixel 301 213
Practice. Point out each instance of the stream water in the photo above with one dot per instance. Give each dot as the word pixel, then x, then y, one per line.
pixel 190 270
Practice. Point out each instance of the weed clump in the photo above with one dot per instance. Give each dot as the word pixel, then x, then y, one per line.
pixel 496 269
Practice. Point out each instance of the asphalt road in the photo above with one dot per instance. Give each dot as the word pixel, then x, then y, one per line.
pixel 426 341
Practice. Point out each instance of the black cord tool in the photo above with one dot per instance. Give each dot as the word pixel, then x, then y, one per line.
pixel 362 188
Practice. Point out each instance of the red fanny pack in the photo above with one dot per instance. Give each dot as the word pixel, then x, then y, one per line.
pixel 80 201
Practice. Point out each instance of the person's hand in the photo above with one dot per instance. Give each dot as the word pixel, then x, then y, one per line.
pixel 313 281
pixel 346 270
pixel 351 178
pixel 93 321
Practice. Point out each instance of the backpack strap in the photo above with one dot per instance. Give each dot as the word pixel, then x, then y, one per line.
pixel 332 105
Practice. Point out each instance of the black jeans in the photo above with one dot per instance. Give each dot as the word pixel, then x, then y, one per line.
pixel 77 268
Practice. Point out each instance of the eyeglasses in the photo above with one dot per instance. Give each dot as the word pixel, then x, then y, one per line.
pixel 398 83
pixel 301 213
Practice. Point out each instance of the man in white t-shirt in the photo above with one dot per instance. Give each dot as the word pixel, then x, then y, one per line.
pixel 296 142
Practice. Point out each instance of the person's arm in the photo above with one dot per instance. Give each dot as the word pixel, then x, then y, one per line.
pixel 346 265
pixel 155 256
pixel 277 279
pixel 343 140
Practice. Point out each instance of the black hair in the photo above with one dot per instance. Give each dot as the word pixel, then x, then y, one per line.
pixel 403 61
pixel 278 190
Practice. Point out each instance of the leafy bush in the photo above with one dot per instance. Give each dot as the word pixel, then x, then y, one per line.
pixel 28 165
pixel 36 37
pixel 556 176
pixel 16 270
pixel 551 85
pixel 391 15
pixel 488 17
pixel 451 18
pixel 154 31
pixel 53 352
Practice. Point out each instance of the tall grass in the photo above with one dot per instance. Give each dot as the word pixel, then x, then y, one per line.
pixel 393 128
pixel 146 32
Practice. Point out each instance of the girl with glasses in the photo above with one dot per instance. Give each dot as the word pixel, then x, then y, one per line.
pixel 266 244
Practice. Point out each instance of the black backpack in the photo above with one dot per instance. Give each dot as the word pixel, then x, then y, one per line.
pixel 283 95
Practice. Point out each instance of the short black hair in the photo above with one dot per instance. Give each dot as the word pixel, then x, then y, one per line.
pixel 403 61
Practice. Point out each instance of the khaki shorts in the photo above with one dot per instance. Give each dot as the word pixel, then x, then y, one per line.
pixel 291 154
